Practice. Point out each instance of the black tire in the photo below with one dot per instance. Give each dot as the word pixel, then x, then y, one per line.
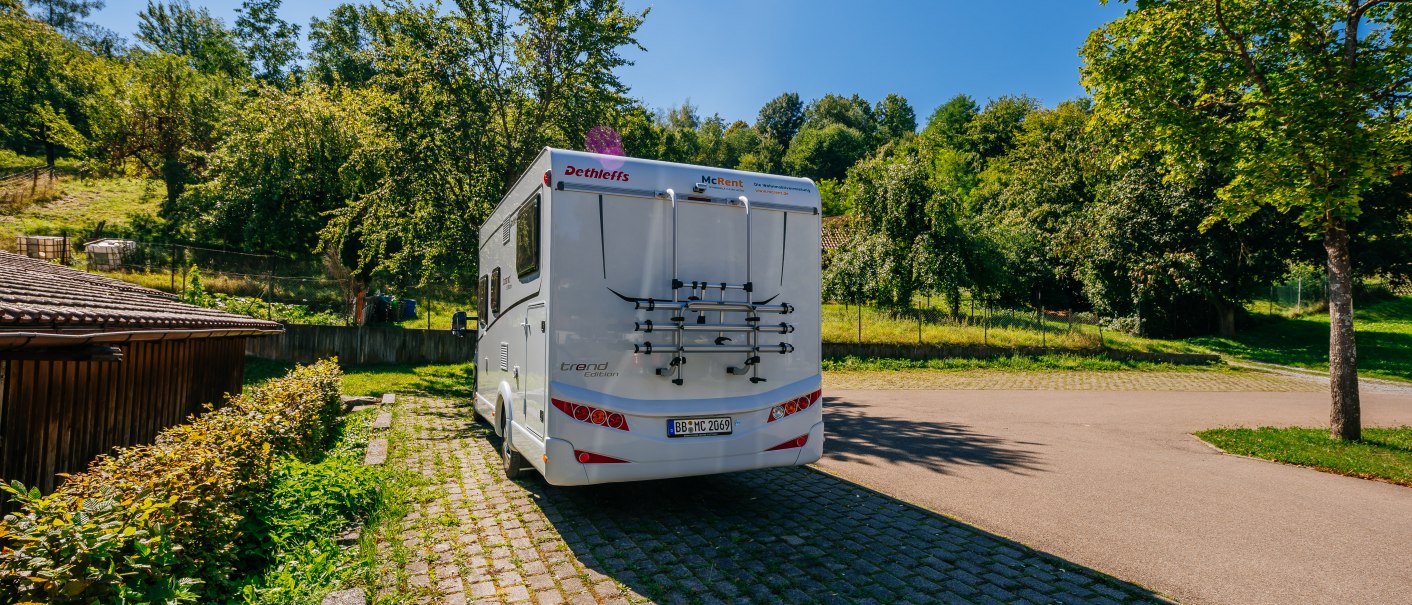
pixel 511 461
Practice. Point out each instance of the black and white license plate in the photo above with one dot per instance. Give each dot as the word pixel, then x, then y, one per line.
pixel 693 427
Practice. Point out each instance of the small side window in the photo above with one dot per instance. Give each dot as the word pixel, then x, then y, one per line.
pixel 482 306
pixel 527 238
pixel 495 291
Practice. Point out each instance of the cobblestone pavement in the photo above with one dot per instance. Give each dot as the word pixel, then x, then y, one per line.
pixel 795 535
pixel 1122 380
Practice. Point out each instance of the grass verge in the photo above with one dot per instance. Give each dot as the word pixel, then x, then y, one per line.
pixel 1383 453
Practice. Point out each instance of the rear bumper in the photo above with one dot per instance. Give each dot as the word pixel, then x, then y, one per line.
pixel 562 468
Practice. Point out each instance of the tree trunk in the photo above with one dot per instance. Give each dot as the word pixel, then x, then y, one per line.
pixel 1344 421
pixel 1225 318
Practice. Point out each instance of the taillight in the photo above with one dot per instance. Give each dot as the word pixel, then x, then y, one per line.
pixel 792 443
pixel 794 406
pixel 592 458
pixel 592 415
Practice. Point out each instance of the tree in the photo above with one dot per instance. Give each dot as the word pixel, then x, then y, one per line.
pixel 852 112
pixel 271 44
pixel 162 113
pixel 469 96
pixel 66 16
pixel 890 198
pixel 339 46
pixel 781 118
pixel 1304 107
pixel 825 152
pixel 285 162
pixel 991 133
pixel 44 82
pixel 948 125
pixel 895 117
pixel 178 29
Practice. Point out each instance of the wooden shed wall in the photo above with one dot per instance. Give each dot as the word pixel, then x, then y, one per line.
pixel 56 416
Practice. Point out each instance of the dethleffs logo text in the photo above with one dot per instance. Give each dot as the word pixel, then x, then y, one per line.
pixel 720 182
pixel 594 173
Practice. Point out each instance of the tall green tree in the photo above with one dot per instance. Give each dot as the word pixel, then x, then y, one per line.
pixel 825 152
pixel 948 125
pixel 780 118
pixel 895 116
pixel 66 16
pixel 471 95
pixel 176 28
pixel 45 81
pixel 285 161
pixel 163 114
pixel 1304 103
pixel 270 43
pixel 340 46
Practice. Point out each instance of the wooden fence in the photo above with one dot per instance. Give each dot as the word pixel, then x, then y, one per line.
pixel 304 344
pixel 56 416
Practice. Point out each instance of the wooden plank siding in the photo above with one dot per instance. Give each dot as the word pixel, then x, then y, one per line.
pixel 305 344
pixel 57 416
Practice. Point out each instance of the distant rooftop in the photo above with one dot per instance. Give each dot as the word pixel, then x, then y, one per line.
pixel 39 296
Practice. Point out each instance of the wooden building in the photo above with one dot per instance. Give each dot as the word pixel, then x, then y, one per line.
pixel 88 363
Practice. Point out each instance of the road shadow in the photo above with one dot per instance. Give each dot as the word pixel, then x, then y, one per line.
pixel 798 535
pixel 856 434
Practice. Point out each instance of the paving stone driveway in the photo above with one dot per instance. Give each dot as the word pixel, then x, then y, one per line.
pixel 794 535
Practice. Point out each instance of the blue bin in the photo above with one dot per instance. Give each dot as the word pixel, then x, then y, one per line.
pixel 409 309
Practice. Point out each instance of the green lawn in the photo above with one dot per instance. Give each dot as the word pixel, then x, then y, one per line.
pixel 1016 363
pixel 840 324
pixel 1384 453
pixel 446 380
pixel 81 206
pixel 1384 337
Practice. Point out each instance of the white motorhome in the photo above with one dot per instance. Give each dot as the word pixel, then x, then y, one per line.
pixel 644 320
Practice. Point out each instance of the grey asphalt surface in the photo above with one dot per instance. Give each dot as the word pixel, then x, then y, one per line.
pixel 1114 481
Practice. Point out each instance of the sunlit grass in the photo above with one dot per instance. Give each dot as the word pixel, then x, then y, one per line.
pixel 1383 336
pixel 80 206
pixel 1383 453
pixel 1005 329
pixel 437 380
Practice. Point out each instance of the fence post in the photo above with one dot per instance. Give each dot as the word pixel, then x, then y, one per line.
pixel 270 288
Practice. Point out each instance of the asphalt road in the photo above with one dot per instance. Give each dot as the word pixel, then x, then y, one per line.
pixel 1115 481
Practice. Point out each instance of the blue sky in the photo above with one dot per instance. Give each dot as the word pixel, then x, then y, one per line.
pixel 730 56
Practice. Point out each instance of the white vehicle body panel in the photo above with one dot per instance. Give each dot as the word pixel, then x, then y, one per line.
pixel 566 332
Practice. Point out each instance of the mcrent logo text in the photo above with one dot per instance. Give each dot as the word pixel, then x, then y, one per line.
pixel 594 173
pixel 720 182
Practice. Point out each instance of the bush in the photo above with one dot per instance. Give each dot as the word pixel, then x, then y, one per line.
pixel 151 522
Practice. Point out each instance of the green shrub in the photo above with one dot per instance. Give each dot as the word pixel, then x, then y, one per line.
pixel 150 522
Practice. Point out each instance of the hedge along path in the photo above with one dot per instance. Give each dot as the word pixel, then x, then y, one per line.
pixel 1120 380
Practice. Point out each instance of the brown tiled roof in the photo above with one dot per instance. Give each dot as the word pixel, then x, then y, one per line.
pixel 835 231
pixel 40 296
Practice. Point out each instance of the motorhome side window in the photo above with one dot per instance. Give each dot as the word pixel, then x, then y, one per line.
pixel 527 238
pixel 481 294
pixel 495 292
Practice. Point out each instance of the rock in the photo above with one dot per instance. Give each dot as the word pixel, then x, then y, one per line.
pixel 349 537
pixel 389 398
pixel 377 452
pixel 383 421
pixel 352 596
pixel 351 403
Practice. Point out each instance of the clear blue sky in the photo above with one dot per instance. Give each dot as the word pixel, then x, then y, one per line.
pixel 730 56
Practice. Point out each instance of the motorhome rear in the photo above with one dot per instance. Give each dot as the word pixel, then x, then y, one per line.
pixel 644 320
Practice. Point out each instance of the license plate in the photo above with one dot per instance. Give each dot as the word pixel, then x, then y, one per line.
pixel 693 427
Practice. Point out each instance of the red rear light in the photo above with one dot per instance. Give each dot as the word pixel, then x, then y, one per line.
pixel 792 443
pixel 591 415
pixel 793 406
pixel 546 177
pixel 592 458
